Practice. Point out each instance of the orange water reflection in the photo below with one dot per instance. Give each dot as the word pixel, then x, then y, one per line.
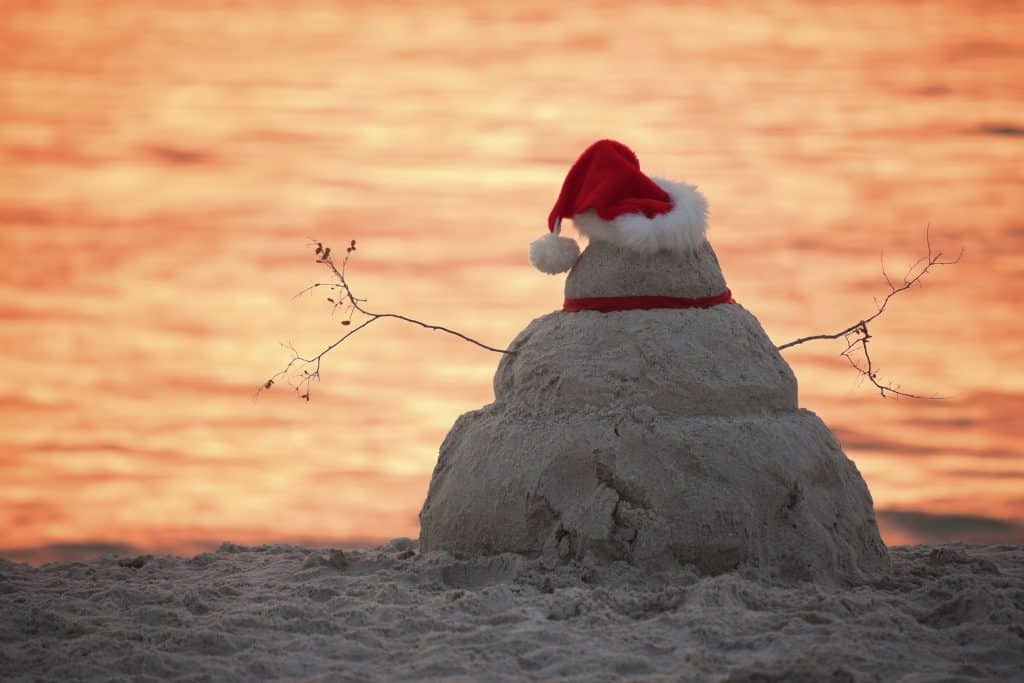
pixel 162 168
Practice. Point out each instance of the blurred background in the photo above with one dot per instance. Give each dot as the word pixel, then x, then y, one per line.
pixel 164 165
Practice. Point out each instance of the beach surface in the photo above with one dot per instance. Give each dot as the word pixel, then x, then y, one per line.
pixel 947 613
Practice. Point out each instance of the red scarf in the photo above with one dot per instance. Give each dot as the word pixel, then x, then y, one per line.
pixel 607 304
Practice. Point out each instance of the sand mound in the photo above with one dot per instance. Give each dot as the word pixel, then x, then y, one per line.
pixel 391 613
pixel 652 436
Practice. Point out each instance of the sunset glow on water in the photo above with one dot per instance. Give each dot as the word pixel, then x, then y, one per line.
pixel 162 171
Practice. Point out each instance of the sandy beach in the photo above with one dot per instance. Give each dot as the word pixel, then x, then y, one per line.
pixel 947 613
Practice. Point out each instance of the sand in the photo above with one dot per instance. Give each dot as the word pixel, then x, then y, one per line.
pixel 946 613
pixel 607 270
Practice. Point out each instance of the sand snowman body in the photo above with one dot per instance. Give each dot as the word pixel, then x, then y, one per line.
pixel 654 437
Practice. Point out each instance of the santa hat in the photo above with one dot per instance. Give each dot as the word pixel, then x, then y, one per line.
pixel 610 199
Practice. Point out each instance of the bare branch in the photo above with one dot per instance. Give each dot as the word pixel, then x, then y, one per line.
pixel 857 335
pixel 300 372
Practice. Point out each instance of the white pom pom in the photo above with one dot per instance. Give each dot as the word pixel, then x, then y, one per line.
pixel 553 254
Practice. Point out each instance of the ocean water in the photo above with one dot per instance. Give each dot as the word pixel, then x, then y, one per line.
pixel 164 166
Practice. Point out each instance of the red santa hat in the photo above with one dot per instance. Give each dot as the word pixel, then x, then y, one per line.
pixel 610 199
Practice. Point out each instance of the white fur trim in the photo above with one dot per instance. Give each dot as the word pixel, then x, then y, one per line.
pixel 682 229
pixel 553 254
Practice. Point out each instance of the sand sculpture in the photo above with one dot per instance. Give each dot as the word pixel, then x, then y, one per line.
pixel 652 420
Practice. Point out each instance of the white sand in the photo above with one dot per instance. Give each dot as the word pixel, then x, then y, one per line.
pixel 947 613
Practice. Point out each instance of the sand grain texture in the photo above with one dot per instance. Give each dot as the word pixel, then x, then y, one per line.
pixel 948 613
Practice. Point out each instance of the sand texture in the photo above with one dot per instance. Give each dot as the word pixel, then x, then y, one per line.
pixel 654 437
pixel 950 613
pixel 607 270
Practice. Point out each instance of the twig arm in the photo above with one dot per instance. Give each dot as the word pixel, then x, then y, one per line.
pixel 816 337
pixel 857 335
pixel 300 372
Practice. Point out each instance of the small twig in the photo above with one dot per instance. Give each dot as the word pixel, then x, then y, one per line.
pixel 301 371
pixel 857 335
